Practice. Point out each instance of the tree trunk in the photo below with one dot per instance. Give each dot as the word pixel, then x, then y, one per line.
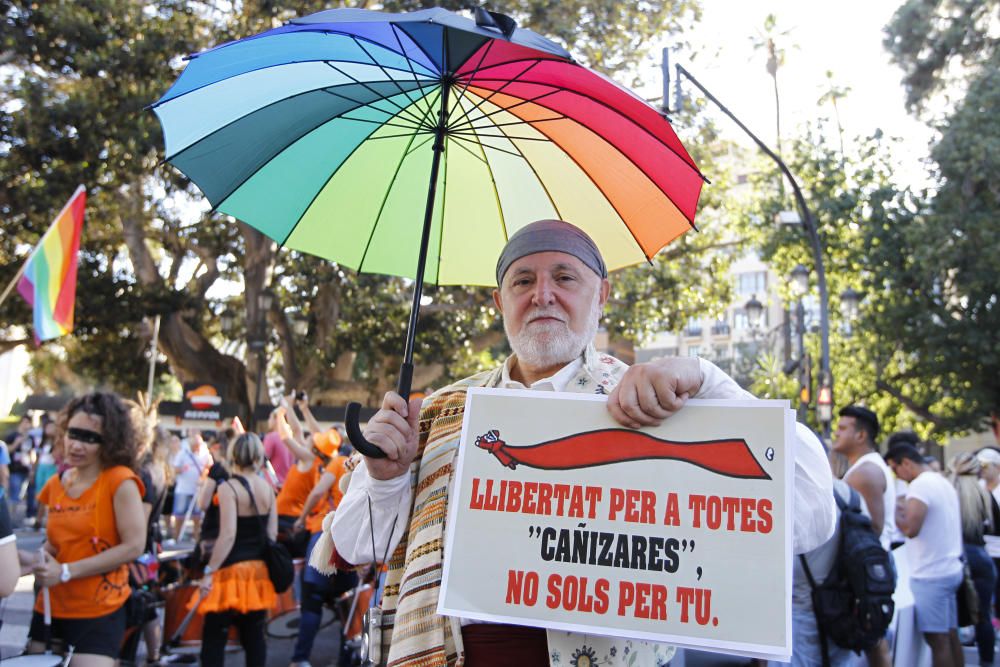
pixel 257 265
pixel 191 356
pixel 194 359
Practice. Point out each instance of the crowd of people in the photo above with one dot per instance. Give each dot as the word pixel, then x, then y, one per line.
pixel 946 516
pixel 123 490
pixel 112 490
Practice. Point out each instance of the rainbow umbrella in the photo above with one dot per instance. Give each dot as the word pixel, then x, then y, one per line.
pixel 331 133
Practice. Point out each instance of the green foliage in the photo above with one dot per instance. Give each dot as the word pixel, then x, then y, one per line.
pixel 939 42
pixel 924 354
pixel 72 110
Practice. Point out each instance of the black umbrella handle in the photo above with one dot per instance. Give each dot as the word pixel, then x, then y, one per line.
pixel 352 421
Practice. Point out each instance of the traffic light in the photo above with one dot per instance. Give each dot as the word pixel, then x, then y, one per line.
pixel 824 404
pixel 805 380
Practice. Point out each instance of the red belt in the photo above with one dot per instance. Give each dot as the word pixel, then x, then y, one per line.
pixel 497 645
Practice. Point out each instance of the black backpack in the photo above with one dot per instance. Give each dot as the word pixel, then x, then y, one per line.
pixel 854 605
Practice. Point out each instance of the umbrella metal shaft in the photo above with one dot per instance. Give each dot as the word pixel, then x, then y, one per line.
pixel 406 370
pixel 352 416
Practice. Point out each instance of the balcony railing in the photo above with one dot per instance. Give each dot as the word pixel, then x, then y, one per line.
pixel 721 329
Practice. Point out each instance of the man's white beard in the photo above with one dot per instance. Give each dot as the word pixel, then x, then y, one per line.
pixel 543 345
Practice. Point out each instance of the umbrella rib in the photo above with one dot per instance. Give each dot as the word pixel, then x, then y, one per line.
pixel 491 147
pixel 385 198
pixel 319 190
pixel 496 190
pixel 556 89
pixel 690 221
pixel 604 194
pixel 541 181
pixel 520 122
pixel 303 93
pixel 259 167
pixel 425 123
pixel 466 149
pixel 382 123
pixel 420 145
pixel 497 136
pixel 470 122
pixel 161 102
pixel 465 87
pixel 364 85
pixel 508 82
pixel 395 33
pixel 381 67
pixel 370 105
pixel 397 136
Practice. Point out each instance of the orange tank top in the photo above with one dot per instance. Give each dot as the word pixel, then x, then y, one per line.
pixel 314 522
pixel 292 497
pixel 79 528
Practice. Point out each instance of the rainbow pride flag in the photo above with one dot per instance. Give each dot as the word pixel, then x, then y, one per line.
pixel 48 282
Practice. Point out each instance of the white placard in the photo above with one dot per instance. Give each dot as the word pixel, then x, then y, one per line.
pixel 560 518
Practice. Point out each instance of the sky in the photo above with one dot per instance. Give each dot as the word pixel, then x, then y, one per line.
pixel 843 37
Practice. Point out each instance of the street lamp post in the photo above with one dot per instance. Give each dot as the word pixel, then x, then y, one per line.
pixel 808 224
pixel 799 282
pixel 258 343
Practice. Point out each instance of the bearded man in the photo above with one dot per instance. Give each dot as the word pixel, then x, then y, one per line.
pixel 552 287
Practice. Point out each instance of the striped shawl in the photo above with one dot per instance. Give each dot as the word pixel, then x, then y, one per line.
pixel 413 634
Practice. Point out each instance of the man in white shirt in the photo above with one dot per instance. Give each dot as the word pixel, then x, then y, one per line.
pixel 552 287
pixel 868 474
pixel 189 464
pixel 931 520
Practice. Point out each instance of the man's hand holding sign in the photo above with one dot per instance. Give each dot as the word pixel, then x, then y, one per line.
pixel 611 509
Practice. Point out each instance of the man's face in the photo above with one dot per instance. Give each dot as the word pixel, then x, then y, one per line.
pixel 848 435
pixel 551 304
pixel 904 470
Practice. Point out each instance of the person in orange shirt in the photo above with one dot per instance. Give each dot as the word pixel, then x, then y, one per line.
pixel 302 476
pixel 322 499
pixel 95 527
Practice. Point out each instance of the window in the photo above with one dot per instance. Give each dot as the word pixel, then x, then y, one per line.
pixel 694 350
pixel 720 328
pixel 753 282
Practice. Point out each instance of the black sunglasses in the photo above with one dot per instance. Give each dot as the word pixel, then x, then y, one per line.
pixel 85 435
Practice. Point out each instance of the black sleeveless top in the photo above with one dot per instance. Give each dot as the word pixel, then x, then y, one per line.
pixel 249 544
pixel 250 536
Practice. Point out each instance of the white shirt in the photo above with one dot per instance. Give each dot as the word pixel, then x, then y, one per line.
pixel 888 496
pixel 813 510
pixel 187 480
pixel 937 549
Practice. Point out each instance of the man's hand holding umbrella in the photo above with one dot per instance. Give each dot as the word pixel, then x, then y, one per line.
pixel 394 429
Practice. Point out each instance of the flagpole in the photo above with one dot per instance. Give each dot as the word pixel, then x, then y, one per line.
pixel 152 359
pixel 10 286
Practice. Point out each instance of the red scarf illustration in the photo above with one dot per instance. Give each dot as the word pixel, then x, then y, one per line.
pixel 731 458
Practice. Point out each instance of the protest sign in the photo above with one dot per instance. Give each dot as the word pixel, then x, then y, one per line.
pixel 681 533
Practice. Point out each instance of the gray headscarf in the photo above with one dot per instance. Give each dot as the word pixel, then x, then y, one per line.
pixel 551 236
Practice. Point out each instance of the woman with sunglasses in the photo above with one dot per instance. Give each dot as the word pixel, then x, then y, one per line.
pixel 236 588
pixel 95 527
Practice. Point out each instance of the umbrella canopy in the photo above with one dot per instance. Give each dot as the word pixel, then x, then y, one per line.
pixel 322 135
